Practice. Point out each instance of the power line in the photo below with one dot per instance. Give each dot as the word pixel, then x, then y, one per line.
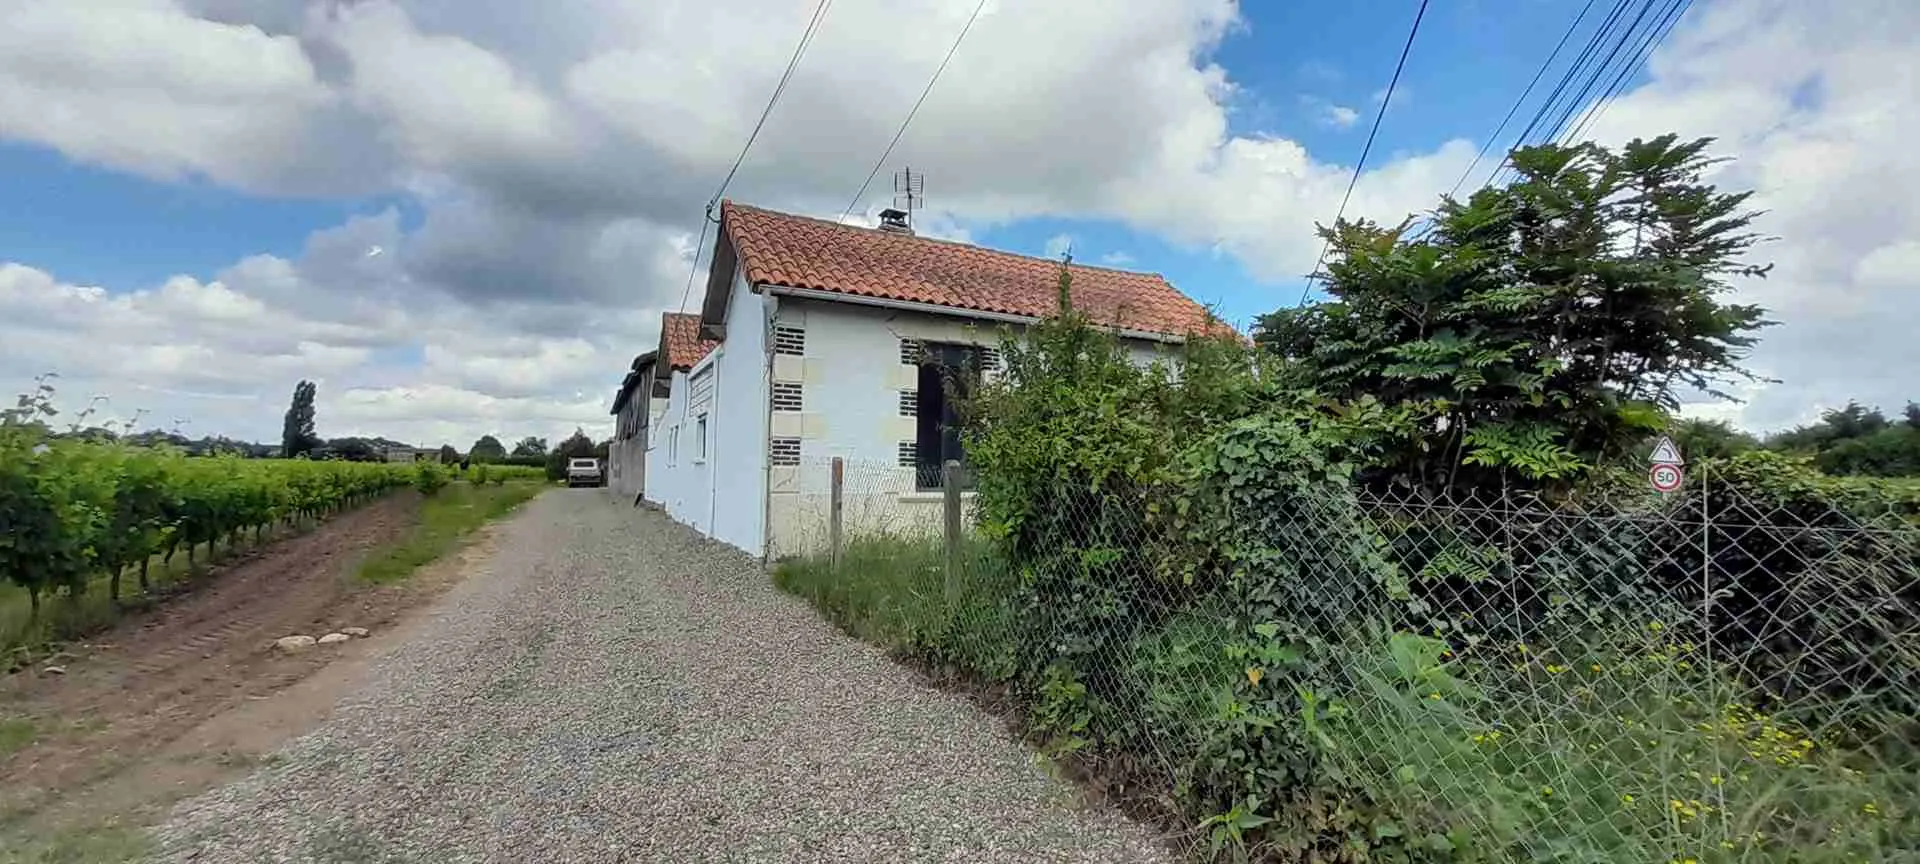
pixel 806 37
pixel 1572 73
pixel 1368 147
pixel 1655 35
pixel 799 50
pixel 916 109
pixel 1544 66
pixel 1579 101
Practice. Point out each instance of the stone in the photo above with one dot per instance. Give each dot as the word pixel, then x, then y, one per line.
pixel 334 638
pixel 356 632
pixel 294 644
pixel 54 670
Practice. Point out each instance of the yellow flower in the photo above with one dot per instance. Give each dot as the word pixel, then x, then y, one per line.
pixel 1870 808
pixel 1546 791
pixel 1555 668
pixel 1595 667
pixel 1655 626
pixel 1626 799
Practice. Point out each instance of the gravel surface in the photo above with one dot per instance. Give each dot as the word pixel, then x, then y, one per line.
pixel 611 687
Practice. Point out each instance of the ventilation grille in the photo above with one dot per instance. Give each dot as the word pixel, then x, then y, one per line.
pixel 989 359
pixel 909 454
pixel 789 339
pixel 786 396
pixel 910 352
pixel 784 451
pixel 909 403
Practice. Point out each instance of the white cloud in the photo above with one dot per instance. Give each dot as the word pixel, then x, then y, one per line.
pixel 1058 245
pixel 559 154
pixel 1814 104
pixel 1117 259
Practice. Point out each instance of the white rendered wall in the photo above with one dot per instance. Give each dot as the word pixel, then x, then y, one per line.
pixel 851 378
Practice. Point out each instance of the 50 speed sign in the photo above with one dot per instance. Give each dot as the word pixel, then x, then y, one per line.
pixel 1666 477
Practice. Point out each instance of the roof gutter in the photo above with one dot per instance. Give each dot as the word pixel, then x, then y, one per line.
pixel 937 309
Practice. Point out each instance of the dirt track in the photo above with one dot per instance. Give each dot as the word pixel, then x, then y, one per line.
pixel 145 712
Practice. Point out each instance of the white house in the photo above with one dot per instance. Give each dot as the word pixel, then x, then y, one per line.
pixel 643 398
pixel 818 340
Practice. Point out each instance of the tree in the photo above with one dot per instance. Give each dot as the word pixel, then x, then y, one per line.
pixel 448 455
pixel 487 449
pixel 575 446
pixel 1913 415
pixel 531 447
pixel 1710 439
pixel 296 433
pixel 1538 328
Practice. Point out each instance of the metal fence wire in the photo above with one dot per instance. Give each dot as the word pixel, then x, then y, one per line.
pixel 1708 675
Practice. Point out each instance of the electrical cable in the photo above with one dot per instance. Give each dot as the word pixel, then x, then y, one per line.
pixel 793 62
pixel 1544 66
pixel 915 110
pixel 1367 148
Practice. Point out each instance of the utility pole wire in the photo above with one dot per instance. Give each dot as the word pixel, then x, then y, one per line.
pixel 916 109
pixel 1367 148
pixel 799 50
pixel 1488 144
pixel 1573 72
pixel 1579 101
pixel 1676 10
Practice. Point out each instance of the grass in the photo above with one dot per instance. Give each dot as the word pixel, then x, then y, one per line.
pixel 15 733
pixel 445 519
pixel 893 591
pixel 91 844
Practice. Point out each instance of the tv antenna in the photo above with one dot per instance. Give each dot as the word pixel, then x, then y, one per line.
pixel 909 192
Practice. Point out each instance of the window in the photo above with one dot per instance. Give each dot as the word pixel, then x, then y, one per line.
pixel 946 371
pixel 700 429
pixel 784 451
pixel 789 339
pixel 909 352
pixel 786 396
pixel 673 447
pixel 908 459
pixel 909 403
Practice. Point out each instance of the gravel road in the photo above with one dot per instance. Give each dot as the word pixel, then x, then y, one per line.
pixel 610 687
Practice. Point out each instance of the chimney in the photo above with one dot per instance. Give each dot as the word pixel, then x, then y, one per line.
pixel 895 221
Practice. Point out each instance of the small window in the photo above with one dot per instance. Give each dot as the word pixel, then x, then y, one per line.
pixel 909 403
pixel 784 451
pixel 700 429
pixel 910 352
pixel 909 454
pixel 786 396
pixel 789 339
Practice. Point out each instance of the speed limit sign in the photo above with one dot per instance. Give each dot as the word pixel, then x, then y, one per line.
pixel 1666 477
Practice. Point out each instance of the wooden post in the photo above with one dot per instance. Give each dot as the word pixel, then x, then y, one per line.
pixel 836 512
pixel 950 490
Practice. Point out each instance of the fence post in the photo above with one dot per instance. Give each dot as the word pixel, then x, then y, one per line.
pixel 836 511
pixel 950 491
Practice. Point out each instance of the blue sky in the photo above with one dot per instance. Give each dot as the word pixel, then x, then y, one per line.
pixel 466 217
pixel 123 231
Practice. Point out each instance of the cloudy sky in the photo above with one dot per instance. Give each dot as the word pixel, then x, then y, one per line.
pixel 466 216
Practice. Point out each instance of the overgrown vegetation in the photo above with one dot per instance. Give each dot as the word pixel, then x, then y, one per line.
pixel 1375 589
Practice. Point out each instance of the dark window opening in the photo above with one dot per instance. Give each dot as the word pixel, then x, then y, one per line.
pixel 947 375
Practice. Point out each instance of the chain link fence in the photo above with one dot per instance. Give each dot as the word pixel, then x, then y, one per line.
pixel 1345 674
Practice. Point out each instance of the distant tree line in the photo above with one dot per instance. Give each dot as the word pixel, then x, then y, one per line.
pixel 1854 440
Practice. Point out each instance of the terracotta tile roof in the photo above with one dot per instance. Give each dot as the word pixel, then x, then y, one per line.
pixel 680 340
pixel 800 252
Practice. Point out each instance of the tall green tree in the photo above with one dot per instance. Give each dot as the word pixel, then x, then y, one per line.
pixel 1541 327
pixel 448 455
pixel 531 447
pixel 297 435
pixel 487 449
